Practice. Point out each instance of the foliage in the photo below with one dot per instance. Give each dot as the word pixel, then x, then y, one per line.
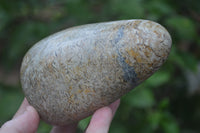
pixel 160 104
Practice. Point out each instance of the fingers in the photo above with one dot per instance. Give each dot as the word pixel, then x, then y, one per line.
pixel 100 121
pixel 26 120
pixel 102 118
pixel 114 106
pixel 64 129
pixel 22 108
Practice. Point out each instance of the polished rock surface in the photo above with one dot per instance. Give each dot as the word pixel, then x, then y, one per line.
pixel 70 74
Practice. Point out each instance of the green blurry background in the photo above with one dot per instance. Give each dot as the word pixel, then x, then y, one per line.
pixel 168 102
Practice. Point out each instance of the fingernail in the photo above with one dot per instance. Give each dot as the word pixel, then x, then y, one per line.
pixel 29 109
pixel 26 110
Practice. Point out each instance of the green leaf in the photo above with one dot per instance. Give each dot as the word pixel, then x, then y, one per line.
pixel 154 119
pixel 170 127
pixel 184 59
pixel 82 13
pixel 168 123
pixel 140 98
pixel 11 99
pixel 4 19
pixel 157 9
pixel 23 36
pixel 117 127
pixel 158 79
pixel 182 26
pixel 84 123
pixel 43 127
pixel 164 104
pixel 128 8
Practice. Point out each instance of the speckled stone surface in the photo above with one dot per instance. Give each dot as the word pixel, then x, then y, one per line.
pixel 70 74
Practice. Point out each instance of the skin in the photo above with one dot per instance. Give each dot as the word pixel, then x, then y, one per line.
pixel 26 120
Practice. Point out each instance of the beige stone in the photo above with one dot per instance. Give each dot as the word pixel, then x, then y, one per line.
pixel 70 74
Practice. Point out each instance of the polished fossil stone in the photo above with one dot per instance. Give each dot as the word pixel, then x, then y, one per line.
pixel 70 74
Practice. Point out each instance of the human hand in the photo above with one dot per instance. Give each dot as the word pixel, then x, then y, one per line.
pixel 26 120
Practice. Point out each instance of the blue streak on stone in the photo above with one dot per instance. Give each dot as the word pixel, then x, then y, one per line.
pixel 120 34
pixel 129 72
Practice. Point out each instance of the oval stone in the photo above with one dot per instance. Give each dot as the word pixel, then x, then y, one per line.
pixel 70 74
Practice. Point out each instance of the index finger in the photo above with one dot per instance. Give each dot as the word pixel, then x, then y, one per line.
pixel 22 108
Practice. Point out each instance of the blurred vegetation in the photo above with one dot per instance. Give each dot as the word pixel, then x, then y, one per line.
pixel 168 102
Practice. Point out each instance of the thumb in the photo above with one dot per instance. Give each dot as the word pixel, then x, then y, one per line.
pixel 27 122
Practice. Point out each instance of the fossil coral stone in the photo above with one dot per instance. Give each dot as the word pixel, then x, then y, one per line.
pixel 70 74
